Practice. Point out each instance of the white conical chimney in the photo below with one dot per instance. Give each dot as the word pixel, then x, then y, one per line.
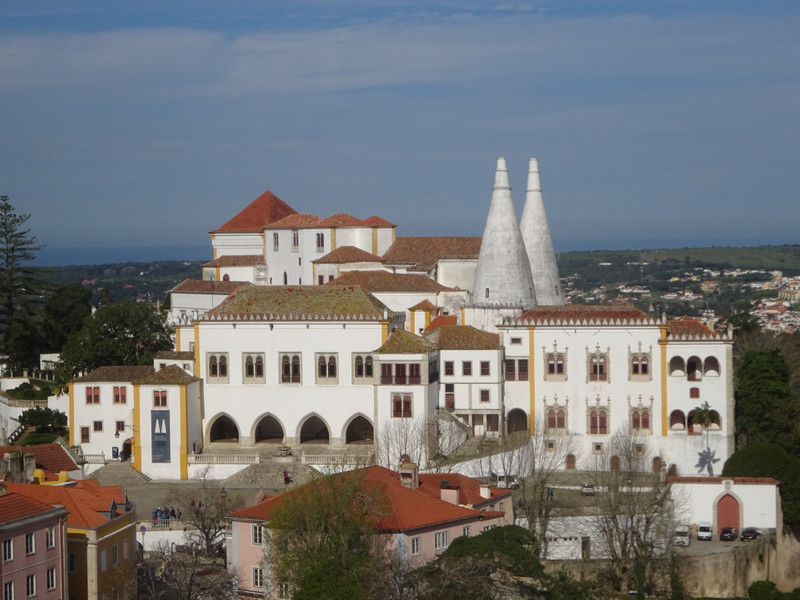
pixel 538 243
pixel 503 274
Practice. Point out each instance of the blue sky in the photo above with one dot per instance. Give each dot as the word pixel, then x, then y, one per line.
pixel 150 123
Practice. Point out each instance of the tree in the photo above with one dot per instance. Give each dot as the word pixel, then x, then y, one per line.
pixel 123 333
pixel 18 280
pixel 64 314
pixel 325 531
pixel 43 418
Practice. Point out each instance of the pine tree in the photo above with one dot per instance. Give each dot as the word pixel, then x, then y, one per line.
pixel 18 280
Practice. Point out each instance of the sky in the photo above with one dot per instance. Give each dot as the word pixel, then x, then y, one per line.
pixel 147 124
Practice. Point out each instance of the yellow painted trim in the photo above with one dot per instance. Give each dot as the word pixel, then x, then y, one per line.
pixel 72 425
pixel 178 338
pixel 663 343
pixel 338 270
pixel 427 318
pixel 217 275
pixel 136 446
pixel 413 319
pixel 184 449
pixel 196 349
pixel 532 379
pixel 384 331
pixel 333 239
pixel 375 241
pixel 314 274
pixel 463 315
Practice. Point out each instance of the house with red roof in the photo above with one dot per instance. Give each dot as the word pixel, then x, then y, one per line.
pixel 420 515
pixel 99 551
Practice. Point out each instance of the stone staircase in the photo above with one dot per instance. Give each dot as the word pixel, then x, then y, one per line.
pixel 119 473
pixel 269 475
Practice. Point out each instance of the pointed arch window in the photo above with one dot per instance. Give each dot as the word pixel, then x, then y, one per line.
pixel 254 368
pixel 217 368
pixel 326 368
pixel 290 368
pixel 598 421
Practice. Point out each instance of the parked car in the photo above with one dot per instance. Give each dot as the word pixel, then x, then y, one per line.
pixel 587 489
pixel 750 533
pixel 704 531
pixel 682 535
pixel 729 534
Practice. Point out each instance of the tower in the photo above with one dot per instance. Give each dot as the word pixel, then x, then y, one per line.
pixel 503 275
pixel 538 243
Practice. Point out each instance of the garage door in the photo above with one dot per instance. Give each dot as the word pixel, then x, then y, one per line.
pixel 727 512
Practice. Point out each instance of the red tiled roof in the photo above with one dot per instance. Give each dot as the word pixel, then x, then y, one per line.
pixel 469 489
pixel 236 260
pixel 341 220
pixel 462 337
pixel 441 321
pixel 17 506
pixel 347 254
pixel 404 342
pixel 296 220
pixel 579 313
pixel 688 327
pixel 739 480
pixel 84 500
pixel 422 253
pixel 138 374
pixel 423 305
pixel 51 457
pixel 195 286
pixel 375 221
pixel 262 211
pixel 383 281
pixel 404 508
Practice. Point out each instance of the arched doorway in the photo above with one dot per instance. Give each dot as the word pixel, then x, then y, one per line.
pixel 313 431
pixel 268 431
pixel 224 430
pixel 517 420
pixel 126 450
pixel 727 512
pixel 359 431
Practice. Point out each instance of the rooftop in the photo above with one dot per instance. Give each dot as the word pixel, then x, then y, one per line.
pixel 195 286
pixel 462 337
pixel 347 254
pixel 147 375
pixel 383 281
pixel 262 211
pixel 236 260
pixel 404 342
pixel 422 253
pixel 584 313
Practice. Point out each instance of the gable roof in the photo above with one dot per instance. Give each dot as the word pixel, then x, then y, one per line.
pixel 384 281
pixel 462 337
pixel 17 506
pixel 422 253
pixel 689 328
pixel 236 260
pixel 262 211
pixel 51 457
pixel 341 220
pixel 196 286
pixel 175 355
pixel 146 375
pixel 404 342
pixel 375 221
pixel 296 220
pixel 469 489
pixel 299 303
pixel 441 321
pixel 404 508
pixel 584 314
pixel 347 254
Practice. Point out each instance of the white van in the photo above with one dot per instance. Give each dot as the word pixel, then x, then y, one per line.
pixel 704 531
pixel 682 535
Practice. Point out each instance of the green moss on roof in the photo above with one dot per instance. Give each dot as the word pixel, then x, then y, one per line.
pixel 404 342
pixel 462 337
pixel 144 375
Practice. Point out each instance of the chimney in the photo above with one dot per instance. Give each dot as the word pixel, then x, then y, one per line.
pixel 447 493
pixel 486 491
pixel 409 475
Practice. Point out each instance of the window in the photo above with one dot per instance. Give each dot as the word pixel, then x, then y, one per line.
pixel 97 426
pixel 556 419
pixel 516 369
pixel 598 421
pixel 485 396
pixel 125 549
pixel 440 540
pixel 295 240
pixel 160 398
pixel 103 560
pixel 326 368
pixel 485 368
pixel 253 368
pixel 30 585
pixel 50 537
pixel 465 530
pixel 71 562
pixel 93 395
pixel 466 368
pixel 218 368
pixel 597 448
pixel 84 435
pixel 598 366
pixel 290 368
pixel 449 396
pixel 694 392
pixel 8 550
pixel 275 244
pixel 8 590
pixel 320 242
pixel 362 367
pixel 121 426
pixel 321 280
pixel 640 366
pixel 414 371
pixel 640 419
pixel 119 394
pixel 555 367
pixel 283 591
pixel 257 535
pixel 51 578
pixel 449 368
pixel 516 341
pixel 258 577
pixel 114 554
pixel 399 374
pixel 401 406
pixel 415 546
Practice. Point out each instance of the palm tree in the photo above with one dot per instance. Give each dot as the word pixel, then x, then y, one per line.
pixel 703 415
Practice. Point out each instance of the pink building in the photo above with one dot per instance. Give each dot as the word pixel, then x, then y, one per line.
pixel 34 548
pixel 426 512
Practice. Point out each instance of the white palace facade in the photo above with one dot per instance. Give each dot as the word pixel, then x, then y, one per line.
pixel 307 330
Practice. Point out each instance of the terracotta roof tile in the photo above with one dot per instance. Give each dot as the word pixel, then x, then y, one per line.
pixel 195 286
pixel 424 305
pixel 579 313
pixel 375 221
pixel 441 321
pixel 469 489
pixel 236 260
pixel 300 303
pixel 383 281
pixel 147 375
pixel 341 220
pixel 17 506
pixel 404 342
pixel 296 220
pixel 689 327
pixel 174 355
pixel 347 254
pixel 51 457
pixel 422 253
pixel 462 337
pixel 262 211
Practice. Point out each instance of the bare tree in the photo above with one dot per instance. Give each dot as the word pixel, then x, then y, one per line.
pixel 634 513
pixel 401 436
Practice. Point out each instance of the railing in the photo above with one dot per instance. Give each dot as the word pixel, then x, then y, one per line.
pixel 338 459
pixel 92 459
pixel 224 459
